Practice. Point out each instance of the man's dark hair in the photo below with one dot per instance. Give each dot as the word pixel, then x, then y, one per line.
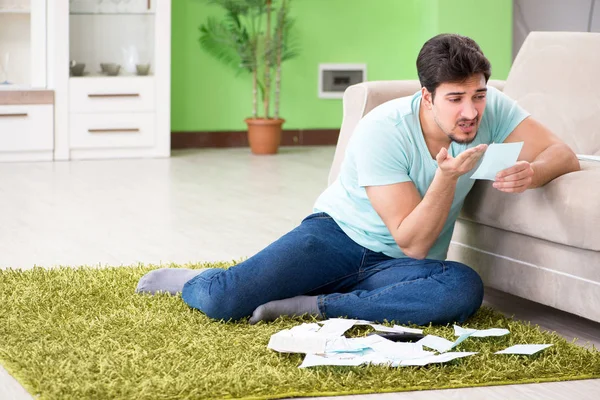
pixel 450 58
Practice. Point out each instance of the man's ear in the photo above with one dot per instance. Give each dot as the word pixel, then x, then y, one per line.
pixel 427 98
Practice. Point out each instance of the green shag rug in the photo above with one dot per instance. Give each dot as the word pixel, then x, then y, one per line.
pixel 83 334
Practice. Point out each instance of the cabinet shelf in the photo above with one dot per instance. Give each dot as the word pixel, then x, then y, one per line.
pixel 120 76
pixel 9 87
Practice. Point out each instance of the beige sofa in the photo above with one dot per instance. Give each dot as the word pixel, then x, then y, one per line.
pixel 544 244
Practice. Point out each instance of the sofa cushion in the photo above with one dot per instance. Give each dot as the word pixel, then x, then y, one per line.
pixel 565 211
pixel 555 78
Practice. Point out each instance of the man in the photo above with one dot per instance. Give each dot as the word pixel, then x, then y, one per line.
pixel 376 245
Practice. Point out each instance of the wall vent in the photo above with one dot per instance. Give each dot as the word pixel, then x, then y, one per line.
pixel 334 79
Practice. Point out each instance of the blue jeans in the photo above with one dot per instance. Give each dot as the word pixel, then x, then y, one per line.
pixel 318 259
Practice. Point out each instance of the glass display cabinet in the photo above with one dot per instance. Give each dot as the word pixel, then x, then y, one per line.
pixel 26 106
pixel 119 78
pixel 22 44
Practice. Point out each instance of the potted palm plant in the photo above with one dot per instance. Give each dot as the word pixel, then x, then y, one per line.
pixel 254 37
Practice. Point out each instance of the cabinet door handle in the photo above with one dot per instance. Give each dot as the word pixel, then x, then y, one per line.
pixel 14 115
pixel 149 6
pixel 112 130
pixel 104 95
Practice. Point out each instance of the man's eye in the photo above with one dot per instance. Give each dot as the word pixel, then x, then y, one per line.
pixel 454 100
pixel 480 97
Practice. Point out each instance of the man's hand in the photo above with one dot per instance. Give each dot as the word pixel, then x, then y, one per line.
pixel 515 179
pixel 454 167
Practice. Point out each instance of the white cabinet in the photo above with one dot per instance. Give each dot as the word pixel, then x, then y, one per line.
pixel 100 95
pixel 108 113
pixel 109 104
pixel 116 130
pixel 84 79
pixel 25 128
pixel 26 132
pixel 26 106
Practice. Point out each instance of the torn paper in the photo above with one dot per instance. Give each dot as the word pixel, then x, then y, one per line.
pixel 305 328
pixel 395 329
pixel 345 345
pixel 313 360
pixel 286 341
pixel 527 349
pixel 336 326
pixel 324 344
pixel 458 331
pixel 440 344
pixel 398 350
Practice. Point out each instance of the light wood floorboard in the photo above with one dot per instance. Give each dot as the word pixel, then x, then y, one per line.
pixel 202 205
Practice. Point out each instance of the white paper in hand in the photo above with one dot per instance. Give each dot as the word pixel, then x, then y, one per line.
pixel 497 157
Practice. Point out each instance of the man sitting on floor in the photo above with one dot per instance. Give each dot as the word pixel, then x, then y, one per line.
pixel 375 247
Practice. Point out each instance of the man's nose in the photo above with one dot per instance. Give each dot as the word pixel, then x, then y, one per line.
pixel 469 111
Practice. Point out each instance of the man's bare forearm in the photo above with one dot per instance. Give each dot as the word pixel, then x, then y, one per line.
pixel 556 160
pixel 420 229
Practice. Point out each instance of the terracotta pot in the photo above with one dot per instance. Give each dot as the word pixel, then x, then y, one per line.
pixel 264 135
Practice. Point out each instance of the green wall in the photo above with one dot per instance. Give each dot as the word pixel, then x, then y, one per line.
pixel 488 22
pixel 384 34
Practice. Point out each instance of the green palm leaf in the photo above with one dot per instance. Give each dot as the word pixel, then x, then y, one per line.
pixel 239 40
pixel 225 41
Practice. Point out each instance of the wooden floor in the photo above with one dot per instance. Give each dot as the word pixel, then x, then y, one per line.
pixel 201 205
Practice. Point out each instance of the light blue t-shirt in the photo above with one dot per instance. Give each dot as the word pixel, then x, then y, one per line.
pixel 388 147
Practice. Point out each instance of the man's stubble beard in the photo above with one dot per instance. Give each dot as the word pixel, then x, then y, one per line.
pixel 451 135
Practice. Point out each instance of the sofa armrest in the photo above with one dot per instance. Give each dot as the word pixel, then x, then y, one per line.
pixel 564 211
pixel 358 101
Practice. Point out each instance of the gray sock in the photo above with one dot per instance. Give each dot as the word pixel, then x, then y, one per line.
pixel 298 305
pixel 168 280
